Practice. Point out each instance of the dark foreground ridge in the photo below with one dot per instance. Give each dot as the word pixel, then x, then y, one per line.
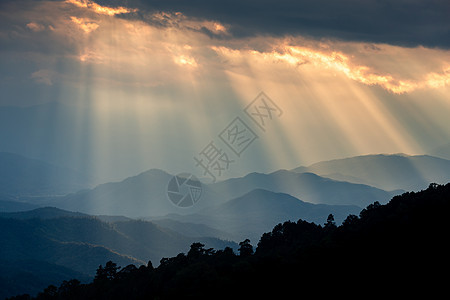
pixel 400 247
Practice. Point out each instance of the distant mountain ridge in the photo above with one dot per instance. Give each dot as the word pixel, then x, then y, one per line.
pixel 252 214
pixel 387 172
pixel 22 176
pixel 191 229
pixel 352 181
pixel 41 213
pixel 139 196
pixel 146 194
pixel 74 243
pixel 66 226
pixel 305 186
pixel 15 206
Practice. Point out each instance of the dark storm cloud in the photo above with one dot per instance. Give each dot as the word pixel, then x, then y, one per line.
pixel 399 22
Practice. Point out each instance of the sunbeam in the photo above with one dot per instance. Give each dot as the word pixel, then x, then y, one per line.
pixel 148 76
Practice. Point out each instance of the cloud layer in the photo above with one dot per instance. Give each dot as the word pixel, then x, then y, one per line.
pixel 159 47
pixel 400 22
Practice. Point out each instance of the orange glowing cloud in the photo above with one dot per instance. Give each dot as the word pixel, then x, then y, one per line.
pixel 338 62
pixel 185 60
pixel 36 27
pixel 219 27
pixel 178 20
pixel 85 24
pixel 104 10
pixel 92 57
pixel 168 41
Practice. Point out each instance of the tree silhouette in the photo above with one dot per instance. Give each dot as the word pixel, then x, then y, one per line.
pixel 245 248
pixel 197 250
pixel 350 220
pixel 330 224
pixel 69 289
pixel 150 265
pixel 50 292
pixel 107 273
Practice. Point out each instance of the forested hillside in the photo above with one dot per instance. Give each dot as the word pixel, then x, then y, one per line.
pixel 398 247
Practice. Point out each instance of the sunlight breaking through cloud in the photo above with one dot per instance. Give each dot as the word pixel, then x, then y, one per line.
pixel 171 70
pixel 162 41
pixel 340 62
pixel 84 24
pixel 104 10
pixel 185 60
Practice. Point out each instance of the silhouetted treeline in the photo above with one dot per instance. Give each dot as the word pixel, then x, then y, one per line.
pixel 401 247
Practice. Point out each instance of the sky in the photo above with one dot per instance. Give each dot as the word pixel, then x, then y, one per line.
pixel 221 89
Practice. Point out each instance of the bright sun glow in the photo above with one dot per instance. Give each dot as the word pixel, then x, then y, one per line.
pixel 101 9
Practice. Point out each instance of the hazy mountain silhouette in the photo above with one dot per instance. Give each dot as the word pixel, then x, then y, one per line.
pixel 41 213
pixel 387 172
pixel 113 219
pixel 236 209
pixel 133 238
pixel 397 248
pixel 81 243
pixel 53 240
pixel 254 213
pixel 15 206
pixel 351 181
pixel 34 240
pixel 192 229
pixel 138 196
pixel 146 194
pixel 21 176
pixel 308 187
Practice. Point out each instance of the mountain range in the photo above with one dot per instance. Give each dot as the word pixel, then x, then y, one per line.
pixel 252 214
pixel 138 196
pixel 54 225
pixel 342 187
pixel 146 194
pixel 76 244
pixel 387 172
pixel 306 186
pixel 351 181
pixel 398 248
